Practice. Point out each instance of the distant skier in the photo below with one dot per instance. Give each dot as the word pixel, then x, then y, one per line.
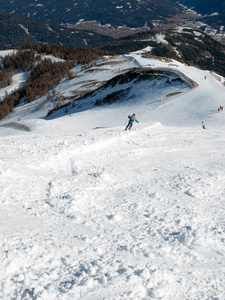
pixel 203 125
pixel 131 121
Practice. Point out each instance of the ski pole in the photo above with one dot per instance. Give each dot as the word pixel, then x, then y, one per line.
pixel 125 123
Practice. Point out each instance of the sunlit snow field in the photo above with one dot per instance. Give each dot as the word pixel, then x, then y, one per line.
pixel 111 214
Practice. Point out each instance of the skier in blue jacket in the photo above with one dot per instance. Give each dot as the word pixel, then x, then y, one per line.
pixel 131 121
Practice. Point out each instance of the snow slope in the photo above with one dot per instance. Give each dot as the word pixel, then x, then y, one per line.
pixel 108 214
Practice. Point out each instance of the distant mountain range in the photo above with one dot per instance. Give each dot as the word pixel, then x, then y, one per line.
pixel 115 19
pixel 17 30
pixel 131 13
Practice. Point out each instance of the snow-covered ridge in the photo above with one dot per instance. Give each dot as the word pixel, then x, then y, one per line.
pixel 110 67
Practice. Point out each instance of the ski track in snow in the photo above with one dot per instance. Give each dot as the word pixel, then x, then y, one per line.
pixel 108 214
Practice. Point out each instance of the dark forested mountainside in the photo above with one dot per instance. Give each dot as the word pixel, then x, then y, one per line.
pixel 17 30
pixel 132 13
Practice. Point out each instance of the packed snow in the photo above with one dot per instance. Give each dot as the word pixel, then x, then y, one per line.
pixel 111 214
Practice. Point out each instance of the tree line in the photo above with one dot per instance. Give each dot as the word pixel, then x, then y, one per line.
pixel 77 55
pixel 45 74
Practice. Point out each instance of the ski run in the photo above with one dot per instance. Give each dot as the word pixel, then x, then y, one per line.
pixel 104 213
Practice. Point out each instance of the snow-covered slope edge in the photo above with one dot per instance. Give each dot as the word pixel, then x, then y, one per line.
pixel 140 96
pixel 188 104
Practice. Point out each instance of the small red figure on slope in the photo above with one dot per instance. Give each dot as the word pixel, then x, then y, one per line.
pixel 203 125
